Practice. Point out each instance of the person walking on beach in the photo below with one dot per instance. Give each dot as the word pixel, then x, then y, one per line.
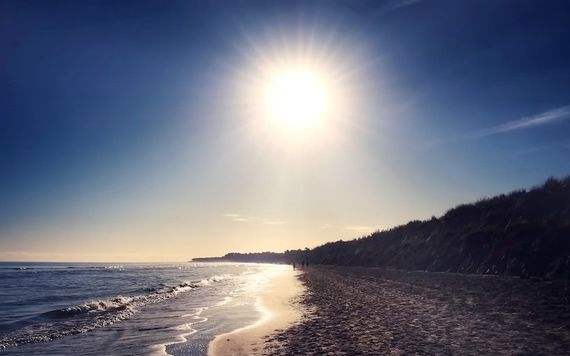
pixel 293 266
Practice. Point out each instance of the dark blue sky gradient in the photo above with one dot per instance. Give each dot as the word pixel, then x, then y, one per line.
pixel 89 90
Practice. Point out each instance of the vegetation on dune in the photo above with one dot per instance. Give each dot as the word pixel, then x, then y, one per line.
pixel 523 233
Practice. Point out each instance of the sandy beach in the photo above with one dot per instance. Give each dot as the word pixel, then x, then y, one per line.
pixel 280 309
pixel 370 311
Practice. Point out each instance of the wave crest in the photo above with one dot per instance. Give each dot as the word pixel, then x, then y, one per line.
pixel 94 314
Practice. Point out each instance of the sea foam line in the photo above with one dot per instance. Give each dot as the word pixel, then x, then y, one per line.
pixel 95 314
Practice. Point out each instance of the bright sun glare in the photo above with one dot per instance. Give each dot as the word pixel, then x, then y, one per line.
pixel 296 92
pixel 296 98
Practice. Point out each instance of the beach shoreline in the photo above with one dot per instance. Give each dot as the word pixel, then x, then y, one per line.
pixel 277 304
pixel 363 310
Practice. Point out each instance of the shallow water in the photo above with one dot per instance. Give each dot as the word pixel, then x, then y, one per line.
pixel 116 309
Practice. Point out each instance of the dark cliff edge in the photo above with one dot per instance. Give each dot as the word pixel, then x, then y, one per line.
pixel 523 233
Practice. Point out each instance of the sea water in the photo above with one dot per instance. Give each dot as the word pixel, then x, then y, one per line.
pixel 125 309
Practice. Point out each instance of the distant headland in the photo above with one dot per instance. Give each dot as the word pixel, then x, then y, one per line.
pixel 523 233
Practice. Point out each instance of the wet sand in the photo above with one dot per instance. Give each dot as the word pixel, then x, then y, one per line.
pixel 369 311
pixel 279 310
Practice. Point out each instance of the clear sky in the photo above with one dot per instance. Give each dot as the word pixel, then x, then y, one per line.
pixel 137 130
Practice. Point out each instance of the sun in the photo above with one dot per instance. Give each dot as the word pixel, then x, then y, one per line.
pixel 296 98
pixel 297 90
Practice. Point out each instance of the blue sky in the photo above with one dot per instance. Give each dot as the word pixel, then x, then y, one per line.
pixel 122 123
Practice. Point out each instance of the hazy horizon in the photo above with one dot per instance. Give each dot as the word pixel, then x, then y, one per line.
pixel 157 132
pixel 239 251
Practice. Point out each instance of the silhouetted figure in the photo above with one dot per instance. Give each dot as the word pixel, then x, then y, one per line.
pixel 294 266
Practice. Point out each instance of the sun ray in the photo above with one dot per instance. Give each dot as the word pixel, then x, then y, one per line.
pixel 297 87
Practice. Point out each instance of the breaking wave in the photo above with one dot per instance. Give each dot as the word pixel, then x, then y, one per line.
pixel 94 314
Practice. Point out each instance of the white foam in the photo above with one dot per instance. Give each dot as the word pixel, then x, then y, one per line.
pixel 94 314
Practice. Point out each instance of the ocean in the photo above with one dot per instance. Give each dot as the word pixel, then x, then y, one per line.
pixel 125 309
